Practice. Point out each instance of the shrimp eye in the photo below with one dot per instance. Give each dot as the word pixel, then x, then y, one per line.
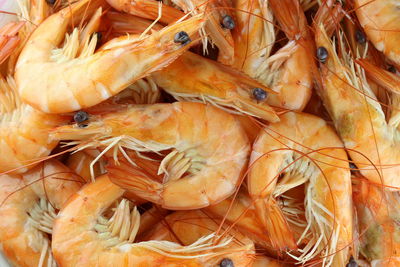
pixel 352 263
pixel 226 263
pixel 259 94
pixel 51 2
pixel 392 69
pixel 81 116
pixel 322 54
pixel 360 37
pixel 182 38
pixel 228 22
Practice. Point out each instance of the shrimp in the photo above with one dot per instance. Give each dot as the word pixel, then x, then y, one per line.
pixel 282 174
pixel 66 81
pixel 207 150
pixel 263 261
pixel 86 233
pixel 29 205
pixel 380 20
pixel 23 130
pixel 378 215
pixel 187 227
pixel 358 117
pixel 288 72
pixel 214 83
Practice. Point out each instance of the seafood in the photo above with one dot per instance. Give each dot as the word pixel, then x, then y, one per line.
pixel 187 227
pixel 66 81
pixel 358 117
pixel 80 161
pixel 312 156
pixel 288 72
pixel 378 215
pixel 29 205
pixel 85 234
pixel 380 21
pixel 24 131
pixel 214 83
pixel 200 168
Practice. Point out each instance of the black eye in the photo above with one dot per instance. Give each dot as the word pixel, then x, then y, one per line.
pixel 259 94
pixel 352 263
pixel 81 116
pixel 228 22
pixel 182 38
pixel 51 2
pixel 360 37
pixel 322 54
pixel 392 69
pixel 226 263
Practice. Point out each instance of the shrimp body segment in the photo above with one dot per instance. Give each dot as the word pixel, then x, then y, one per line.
pixel 380 20
pixel 300 182
pixel 206 148
pixel 67 81
pixel 85 235
pixel 29 205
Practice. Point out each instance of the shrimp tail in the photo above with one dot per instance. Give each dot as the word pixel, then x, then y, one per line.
pixel 380 76
pixel 134 179
pixel 291 17
pixel 274 221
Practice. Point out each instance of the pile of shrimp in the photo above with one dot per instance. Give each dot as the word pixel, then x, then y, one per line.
pixel 190 133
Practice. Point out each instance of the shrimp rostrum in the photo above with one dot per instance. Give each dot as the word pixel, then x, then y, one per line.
pixel 204 150
pixel 76 75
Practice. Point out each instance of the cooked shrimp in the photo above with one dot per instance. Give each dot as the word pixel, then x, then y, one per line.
pixel 381 22
pixel 215 83
pixel 24 131
pixel 207 150
pixel 263 261
pixel 288 72
pixel 66 81
pixel 86 234
pixel 378 215
pixel 309 157
pixel 187 227
pixel 357 115
pixel 143 91
pixel 29 205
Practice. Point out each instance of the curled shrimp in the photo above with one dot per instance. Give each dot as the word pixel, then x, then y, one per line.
pixel 87 232
pixel 288 72
pixel 29 205
pixel 24 131
pixel 214 83
pixel 187 227
pixel 205 157
pixel 300 182
pixel 380 21
pixel 377 216
pixel 76 76
pixel 357 115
